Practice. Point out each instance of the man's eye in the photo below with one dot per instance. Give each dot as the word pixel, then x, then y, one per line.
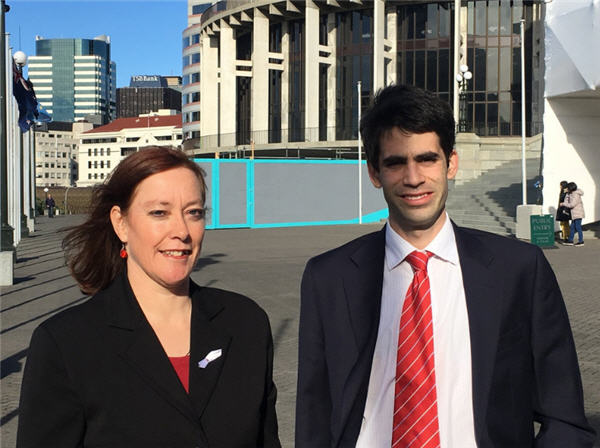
pixel 157 213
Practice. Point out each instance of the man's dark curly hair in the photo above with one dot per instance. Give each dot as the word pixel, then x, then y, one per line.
pixel 410 109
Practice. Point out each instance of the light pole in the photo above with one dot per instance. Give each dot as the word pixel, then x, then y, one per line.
pixel 20 59
pixel 462 79
pixel 359 91
pixel 523 116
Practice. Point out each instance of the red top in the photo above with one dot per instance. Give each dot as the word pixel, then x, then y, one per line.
pixel 181 364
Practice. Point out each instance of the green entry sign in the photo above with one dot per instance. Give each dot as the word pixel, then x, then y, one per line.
pixel 542 230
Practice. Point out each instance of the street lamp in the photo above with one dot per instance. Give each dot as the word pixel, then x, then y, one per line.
pixel 20 59
pixel 462 79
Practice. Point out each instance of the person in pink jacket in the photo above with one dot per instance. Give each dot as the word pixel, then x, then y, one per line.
pixel 573 201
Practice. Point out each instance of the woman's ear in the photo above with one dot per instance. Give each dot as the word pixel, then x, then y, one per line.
pixel 117 219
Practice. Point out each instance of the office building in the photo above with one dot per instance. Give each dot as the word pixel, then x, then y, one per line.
pixel 190 99
pixel 75 79
pixel 147 93
pixel 285 73
pixel 101 149
pixel 56 153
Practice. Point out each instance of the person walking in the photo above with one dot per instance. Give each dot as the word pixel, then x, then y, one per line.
pixel 50 204
pixel 575 204
pixel 563 213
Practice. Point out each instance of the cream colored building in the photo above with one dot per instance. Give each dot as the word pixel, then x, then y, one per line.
pixel 57 152
pixel 101 149
pixel 282 77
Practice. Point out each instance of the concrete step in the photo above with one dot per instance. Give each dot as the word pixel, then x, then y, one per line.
pixel 489 202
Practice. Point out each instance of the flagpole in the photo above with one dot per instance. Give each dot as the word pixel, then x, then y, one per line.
pixel 6 231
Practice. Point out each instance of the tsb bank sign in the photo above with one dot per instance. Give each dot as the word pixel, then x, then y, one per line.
pixel 145 78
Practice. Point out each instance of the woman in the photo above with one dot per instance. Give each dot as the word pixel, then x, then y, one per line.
pixel 563 213
pixel 573 201
pixel 152 359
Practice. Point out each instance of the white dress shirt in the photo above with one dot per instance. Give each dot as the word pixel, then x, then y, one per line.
pixel 452 344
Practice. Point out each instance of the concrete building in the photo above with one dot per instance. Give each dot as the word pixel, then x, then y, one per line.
pixel 75 78
pixel 280 75
pixel 147 93
pixel 56 145
pixel 102 148
pixel 190 100
pixel 174 82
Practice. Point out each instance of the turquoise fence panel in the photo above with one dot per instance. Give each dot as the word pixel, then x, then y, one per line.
pixel 263 193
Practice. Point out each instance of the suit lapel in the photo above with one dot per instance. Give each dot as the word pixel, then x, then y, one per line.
pixel 362 288
pixel 206 338
pixel 141 350
pixel 484 308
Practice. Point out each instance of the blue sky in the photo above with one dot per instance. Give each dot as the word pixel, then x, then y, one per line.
pixel 145 34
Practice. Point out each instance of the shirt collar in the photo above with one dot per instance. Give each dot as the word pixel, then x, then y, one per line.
pixel 443 245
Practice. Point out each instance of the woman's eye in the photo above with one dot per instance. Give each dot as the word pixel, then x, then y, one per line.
pixel 157 213
pixel 198 212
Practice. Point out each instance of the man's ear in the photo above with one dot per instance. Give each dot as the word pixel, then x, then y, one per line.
pixel 117 219
pixel 373 175
pixel 452 164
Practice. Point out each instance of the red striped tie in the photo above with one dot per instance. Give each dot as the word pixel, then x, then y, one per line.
pixel 415 400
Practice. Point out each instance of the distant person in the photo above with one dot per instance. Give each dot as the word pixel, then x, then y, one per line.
pixel 152 359
pixel 426 334
pixel 50 204
pixel 563 213
pixel 575 204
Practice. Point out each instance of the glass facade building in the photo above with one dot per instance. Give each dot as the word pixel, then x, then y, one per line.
pixel 318 52
pixel 75 78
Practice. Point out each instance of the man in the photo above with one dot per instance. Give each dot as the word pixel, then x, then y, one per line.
pixel 426 334
pixel 50 204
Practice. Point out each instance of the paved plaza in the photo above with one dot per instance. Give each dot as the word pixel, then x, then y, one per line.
pixel 266 265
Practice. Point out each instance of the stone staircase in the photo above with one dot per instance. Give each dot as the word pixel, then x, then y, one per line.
pixel 490 201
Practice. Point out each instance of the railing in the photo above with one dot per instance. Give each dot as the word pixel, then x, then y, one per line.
pixel 320 136
pixel 492 129
pixel 274 136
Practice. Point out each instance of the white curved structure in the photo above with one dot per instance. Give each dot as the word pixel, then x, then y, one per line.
pixel 572 102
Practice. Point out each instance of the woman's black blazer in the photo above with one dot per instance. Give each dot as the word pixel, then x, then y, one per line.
pixel 97 376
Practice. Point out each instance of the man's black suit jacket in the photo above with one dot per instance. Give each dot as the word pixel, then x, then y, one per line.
pixel 524 364
pixel 97 376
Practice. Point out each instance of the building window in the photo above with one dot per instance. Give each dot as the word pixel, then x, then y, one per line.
pixel 108 151
pixel 95 151
pixel 90 164
pixel 89 152
pixel 108 164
